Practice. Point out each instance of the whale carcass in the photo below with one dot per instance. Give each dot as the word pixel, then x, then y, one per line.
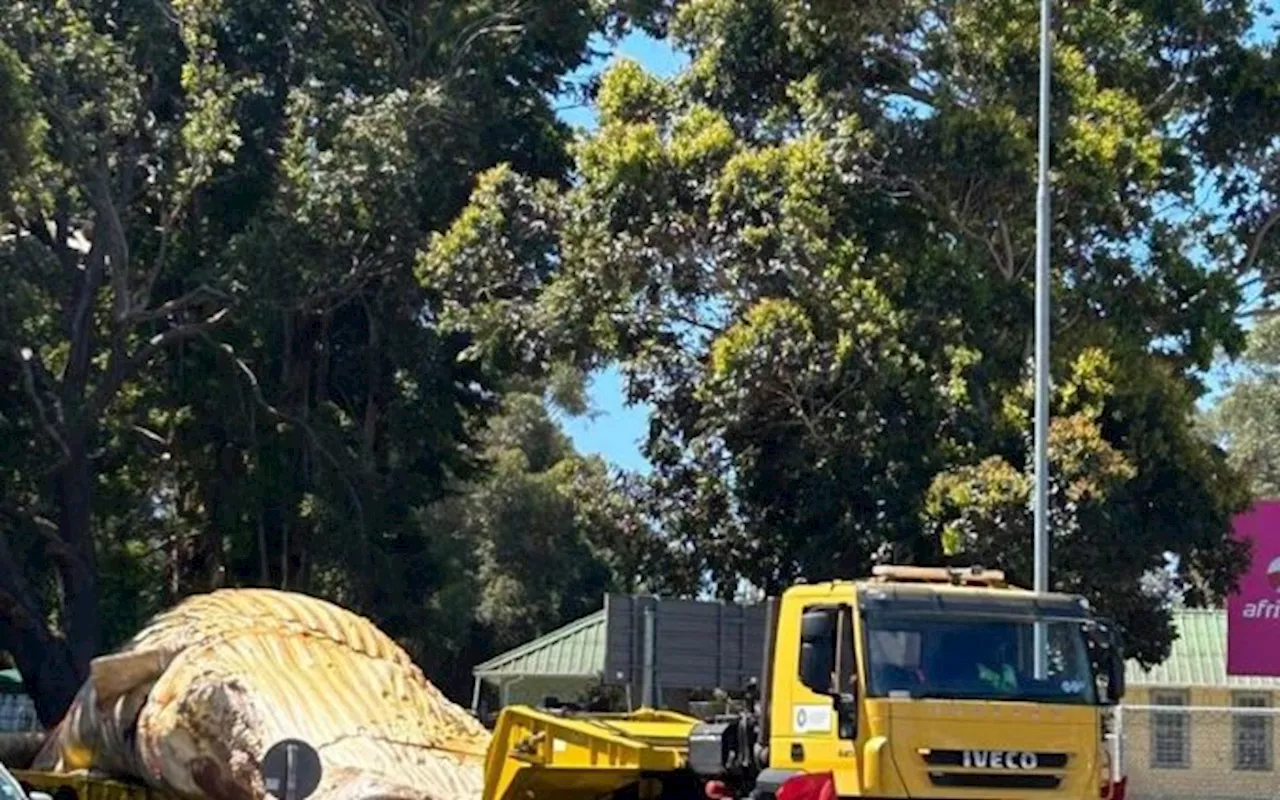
pixel 192 703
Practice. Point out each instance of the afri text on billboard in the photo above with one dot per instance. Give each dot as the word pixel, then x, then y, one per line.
pixel 1253 615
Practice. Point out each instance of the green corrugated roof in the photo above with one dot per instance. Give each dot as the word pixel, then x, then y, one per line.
pixel 1198 657
pixel 577 649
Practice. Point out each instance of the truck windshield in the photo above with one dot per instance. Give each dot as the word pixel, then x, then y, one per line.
pixel 977 659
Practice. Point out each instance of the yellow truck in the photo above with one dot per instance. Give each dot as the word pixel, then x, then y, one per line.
pixel 913 683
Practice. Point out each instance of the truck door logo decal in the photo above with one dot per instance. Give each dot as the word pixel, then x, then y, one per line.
pixel 999 759
pixel 811 719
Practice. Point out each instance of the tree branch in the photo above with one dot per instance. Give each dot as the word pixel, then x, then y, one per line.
pixel 256 389
pixel 84 291
pixel 909 91
pixel 25 357
pixel 1011 257
pixel 939 206
pixel 110 232
pixel 47 528
pixel 38 227
pixel 695 322
pixel 120 370
pixel 355 281
pixel 178 304
pixel 17 601
pixel 168 221
pixel 1255 245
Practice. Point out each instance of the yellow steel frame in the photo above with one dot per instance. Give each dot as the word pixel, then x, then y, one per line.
pixel 87 786
pixel 541 754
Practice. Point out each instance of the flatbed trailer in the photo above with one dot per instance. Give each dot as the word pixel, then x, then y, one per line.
pixel 86 786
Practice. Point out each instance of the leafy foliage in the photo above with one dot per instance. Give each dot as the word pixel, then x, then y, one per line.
pixel 979 514
pixel 287 284
pixel 217 365
pixel 536 542
pixel 811 253
pixel 1246 420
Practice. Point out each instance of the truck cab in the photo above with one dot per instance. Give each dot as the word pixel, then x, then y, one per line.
pixel 926 683
pixel 912 683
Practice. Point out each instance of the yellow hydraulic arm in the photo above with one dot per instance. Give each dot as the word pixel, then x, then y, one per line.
pixel 538 754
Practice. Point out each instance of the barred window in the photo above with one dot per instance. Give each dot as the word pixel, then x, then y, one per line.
pixel 17 713
pixel 1170 732
pixel 1251 734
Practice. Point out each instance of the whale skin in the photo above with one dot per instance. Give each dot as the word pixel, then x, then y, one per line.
pixel 193 702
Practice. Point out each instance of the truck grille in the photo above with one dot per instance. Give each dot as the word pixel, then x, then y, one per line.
pixel 988 780
pixel 994 769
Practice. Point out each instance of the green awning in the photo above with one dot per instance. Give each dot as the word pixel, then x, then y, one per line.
pixel 576 650
pixel 11 682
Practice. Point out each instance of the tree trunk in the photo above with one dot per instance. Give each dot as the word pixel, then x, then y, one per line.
pixel 54 665
pixel 80 573
pixel 65 663
pixel 45 661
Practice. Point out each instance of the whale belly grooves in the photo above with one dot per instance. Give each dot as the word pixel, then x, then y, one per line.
pixel 192 703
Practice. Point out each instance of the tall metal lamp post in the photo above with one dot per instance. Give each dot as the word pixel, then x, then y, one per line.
pixel 1043 280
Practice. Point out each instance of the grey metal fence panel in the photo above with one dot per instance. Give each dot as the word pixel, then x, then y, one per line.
pixel 698 645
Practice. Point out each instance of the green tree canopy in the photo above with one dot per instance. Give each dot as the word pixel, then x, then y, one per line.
pixel 217 366
pixel 811 252
pixel 1246 419
pixel 533 543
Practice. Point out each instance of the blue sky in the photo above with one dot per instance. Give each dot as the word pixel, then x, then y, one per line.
pixel 615 429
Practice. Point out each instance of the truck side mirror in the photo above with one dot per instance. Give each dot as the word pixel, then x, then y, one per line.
pixel 818 649
pixel 1111 659
pixel 1115 671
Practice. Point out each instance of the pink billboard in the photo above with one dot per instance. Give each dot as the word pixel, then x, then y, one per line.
pixel 1253 615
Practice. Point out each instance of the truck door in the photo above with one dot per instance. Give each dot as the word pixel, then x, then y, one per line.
pixel 820 732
